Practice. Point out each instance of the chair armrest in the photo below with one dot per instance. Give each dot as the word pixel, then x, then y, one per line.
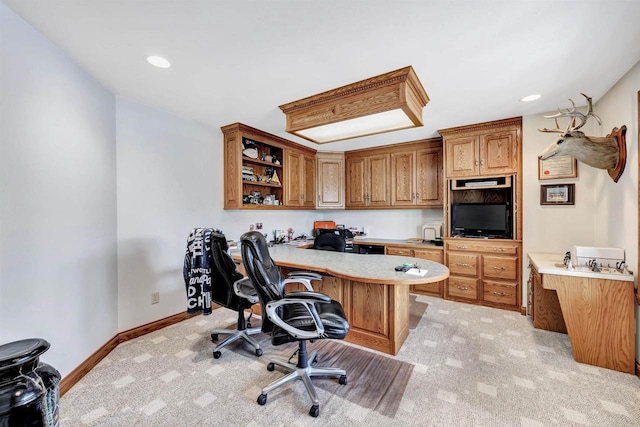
pixel 299 279
pixel 305 274
pixel 244 289
pixel 308 296
pixel 307 302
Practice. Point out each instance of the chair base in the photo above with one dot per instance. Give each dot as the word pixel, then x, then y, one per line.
pixel 235 335
pixel 303 373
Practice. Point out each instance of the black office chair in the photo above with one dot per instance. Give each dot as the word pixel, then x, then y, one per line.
pixel 294 316
pixel 330 241
pixel 228 288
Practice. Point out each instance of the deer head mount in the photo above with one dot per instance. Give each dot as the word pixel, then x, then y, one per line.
pixel 608 152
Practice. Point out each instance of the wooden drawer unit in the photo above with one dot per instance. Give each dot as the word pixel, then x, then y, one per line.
pixel 489 270
pixel 464 264
pixel 462 287
pixel 395 250
pixel 500 293
pixel 500 267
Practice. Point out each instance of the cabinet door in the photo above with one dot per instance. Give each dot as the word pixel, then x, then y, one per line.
pixel 403 191
pixel 499 153
pixel 330 180
pixel 434 255
pixel 308 177
pixel 428 177
pixel 232 171
pixel 462 287
pixel 377 172
pixel 293 165
pixel 466 264
pixel 356 188
pixel 498 267
pixel 461 156
pixel 500 293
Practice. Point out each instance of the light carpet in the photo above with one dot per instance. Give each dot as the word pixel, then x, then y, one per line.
pixel 472 366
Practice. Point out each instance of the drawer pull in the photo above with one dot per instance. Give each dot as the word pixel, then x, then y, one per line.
pixel 499 293
pixel 462 288
pixel 462 247
pixel 499 268
pixel 461 264
pixel 498 249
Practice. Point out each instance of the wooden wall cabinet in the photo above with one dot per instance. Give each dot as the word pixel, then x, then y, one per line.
pixel 300 182
pixel 294 165
pixel 485 149
pixel 330 173
pixel 396 176
pixel 367 180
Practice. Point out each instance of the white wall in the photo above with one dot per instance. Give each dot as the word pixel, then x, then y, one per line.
pixel 58 199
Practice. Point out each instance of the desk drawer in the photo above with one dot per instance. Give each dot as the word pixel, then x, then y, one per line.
pixel 501 293
pixel 497 248
pixel 462 287
pixel 465 264
pixel 498 267
pixel 392 250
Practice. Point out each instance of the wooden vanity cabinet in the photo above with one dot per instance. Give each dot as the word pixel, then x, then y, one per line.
pixel 484 149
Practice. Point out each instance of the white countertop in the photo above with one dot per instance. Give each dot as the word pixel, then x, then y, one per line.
pixel 552 264
pixel 364 268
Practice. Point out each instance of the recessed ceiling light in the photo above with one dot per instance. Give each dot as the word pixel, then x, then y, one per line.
pixel 158 61
pixel 530 98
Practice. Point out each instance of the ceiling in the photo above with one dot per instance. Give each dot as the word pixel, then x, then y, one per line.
pixel 238 60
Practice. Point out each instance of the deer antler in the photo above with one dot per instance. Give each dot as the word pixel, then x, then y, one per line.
pixel 573 113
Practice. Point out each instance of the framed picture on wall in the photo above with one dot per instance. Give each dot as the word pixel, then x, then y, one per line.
pixel 561 194
pixel 558 167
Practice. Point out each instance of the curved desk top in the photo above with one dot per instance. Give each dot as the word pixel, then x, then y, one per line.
pixel 361 268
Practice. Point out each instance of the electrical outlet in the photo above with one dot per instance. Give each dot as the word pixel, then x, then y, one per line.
pixel 155 297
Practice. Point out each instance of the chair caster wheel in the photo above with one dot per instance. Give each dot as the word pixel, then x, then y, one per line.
pixel 314 411
pixel 217 354
pixel 262 399
pixel 214 337
pixel 342 380
pixel 271 367
pixel 258 352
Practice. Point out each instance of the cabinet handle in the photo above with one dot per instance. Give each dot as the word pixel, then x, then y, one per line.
pixel 476 163
pixel 499 268
pixel 498 249
pixel 462 247
pixel 302 197
pixel 417 196
pixel 462 288
pixel 499 293
pixel 482 162
pixel 460 264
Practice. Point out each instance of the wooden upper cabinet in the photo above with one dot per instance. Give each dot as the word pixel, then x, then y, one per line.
pixel 249 176
pixel 367 180
pixel 300 183
pixel 485 149
pixel 330 174
pixel 416 175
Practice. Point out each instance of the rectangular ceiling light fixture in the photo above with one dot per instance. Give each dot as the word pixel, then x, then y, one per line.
pixel 388 102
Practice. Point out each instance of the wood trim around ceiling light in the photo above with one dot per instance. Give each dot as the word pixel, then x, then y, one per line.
pixel 395 89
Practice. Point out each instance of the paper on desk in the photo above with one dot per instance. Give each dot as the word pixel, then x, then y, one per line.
pixel 417 271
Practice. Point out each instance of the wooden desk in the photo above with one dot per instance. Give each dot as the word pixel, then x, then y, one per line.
pixel 374 296
pixel 598 310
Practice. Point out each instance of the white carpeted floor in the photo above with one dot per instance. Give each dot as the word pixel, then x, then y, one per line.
pixel 472 366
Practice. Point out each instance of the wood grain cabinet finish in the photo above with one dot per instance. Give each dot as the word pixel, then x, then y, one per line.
pixel 367 180
pixel 330 173
pixel 485 149
pixel 300 183
pixel 493 267
pixel 416 177
pixel 397 176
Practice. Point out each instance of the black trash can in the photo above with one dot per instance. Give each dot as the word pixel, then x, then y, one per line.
pixel 29 389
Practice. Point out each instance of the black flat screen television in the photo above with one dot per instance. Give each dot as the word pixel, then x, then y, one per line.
pixel 491 220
